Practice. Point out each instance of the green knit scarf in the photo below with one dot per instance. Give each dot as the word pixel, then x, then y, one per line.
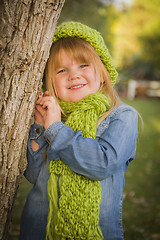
pixel 76 214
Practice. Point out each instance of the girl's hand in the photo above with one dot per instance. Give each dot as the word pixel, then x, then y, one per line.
pixel 37 115
pixel 49 110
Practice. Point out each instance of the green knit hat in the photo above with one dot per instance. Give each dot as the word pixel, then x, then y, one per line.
pixel 79 30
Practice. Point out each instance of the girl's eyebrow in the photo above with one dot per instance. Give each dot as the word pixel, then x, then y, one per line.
pixel 60 66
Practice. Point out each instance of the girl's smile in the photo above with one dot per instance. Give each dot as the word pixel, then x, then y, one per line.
pixel 77 86
pixel 75 80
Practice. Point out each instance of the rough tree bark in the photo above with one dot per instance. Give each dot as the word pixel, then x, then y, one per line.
pixel 26 32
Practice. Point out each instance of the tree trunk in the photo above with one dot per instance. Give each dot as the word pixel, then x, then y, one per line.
pixel 26 32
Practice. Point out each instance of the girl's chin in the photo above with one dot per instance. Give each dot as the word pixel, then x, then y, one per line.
pixel 78 98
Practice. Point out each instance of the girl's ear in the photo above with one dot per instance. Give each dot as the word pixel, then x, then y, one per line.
pixel 101 84
pixel 102 80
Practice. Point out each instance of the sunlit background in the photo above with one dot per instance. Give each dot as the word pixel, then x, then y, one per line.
pixel 131 30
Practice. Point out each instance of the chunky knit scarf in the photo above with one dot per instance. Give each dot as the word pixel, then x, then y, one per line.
pixel 76 214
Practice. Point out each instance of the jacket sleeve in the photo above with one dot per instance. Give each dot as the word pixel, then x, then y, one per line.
pixel 97 158
pixel 34 159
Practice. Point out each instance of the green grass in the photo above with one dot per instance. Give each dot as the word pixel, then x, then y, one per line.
pixel 141 210
pixel 23 191
pixel 142 189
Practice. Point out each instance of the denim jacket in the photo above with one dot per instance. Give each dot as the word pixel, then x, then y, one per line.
pixel 105 158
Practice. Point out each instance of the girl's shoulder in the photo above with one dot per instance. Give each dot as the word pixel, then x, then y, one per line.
pixel 121 109
pixel 124 113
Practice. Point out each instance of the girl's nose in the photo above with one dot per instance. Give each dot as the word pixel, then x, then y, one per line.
pixel 74 75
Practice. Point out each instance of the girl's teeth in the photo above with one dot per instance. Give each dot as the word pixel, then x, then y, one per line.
pixel 77 86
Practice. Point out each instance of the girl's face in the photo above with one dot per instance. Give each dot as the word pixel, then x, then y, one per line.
pixel 75 80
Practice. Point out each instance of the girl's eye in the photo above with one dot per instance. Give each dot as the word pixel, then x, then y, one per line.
pixel 61 71
pixel 83 65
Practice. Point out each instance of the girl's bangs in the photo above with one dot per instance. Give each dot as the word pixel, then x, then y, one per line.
pixel 76 49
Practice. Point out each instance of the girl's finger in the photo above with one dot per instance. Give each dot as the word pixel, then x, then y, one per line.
pixel 42 99
pixel 37 112
pixel 46 104
pixel 46 93
pixel 41 110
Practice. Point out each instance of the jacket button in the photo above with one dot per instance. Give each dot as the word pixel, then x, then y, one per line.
pixel 38 130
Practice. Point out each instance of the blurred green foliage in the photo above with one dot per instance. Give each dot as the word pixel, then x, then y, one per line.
pixel 138 37
pixel 150 37
pixel 95 13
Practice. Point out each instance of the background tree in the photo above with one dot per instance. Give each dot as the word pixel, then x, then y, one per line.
pixel 26 32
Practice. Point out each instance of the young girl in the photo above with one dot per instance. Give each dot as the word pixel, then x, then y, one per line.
pixel 80 145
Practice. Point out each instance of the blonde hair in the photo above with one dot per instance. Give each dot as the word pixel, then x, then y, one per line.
pixel 81 51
